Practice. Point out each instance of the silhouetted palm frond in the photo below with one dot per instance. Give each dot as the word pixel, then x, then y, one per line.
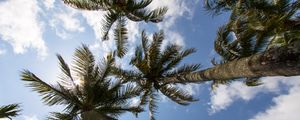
pixel 9 111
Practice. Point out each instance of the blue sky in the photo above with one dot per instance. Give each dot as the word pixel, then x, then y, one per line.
pixel 32 32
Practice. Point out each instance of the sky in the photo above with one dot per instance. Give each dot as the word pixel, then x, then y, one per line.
pixel 32 32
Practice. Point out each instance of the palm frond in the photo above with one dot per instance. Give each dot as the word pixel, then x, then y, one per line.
pixel 145 42
pixel 51 95
pixel 109 19
pixel 9 111
pixel 84 63
pixel 183 70
pixel 126 75
pixel 154 49
pixel 140 5
pixel 174 62
pixel 120 34
pixel 87 4
pixel 61 116
pixel 157 14
pixel 153 101
pixel 177 95
pixel 169 53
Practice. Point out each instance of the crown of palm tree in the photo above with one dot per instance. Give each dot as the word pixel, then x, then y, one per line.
pixel 85 89
pixel 118 10
pixel 9 111
pixel 254 26
pixel 153 66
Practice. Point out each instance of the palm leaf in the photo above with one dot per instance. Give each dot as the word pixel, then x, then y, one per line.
pixel 109 19
pixel 51 95
pixel 153 101
pixel 61 116
pixel 87 4
pixel 9 111
pixel 177 95
pixel 120 34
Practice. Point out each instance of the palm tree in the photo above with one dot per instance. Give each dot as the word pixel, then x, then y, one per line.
pixel 152 66
pixel 254 27
pixel 87 90
pixel 261 39
pixel 9 111
pixel 118 10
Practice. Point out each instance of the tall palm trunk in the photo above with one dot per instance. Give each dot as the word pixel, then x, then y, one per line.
pixel 282 61
pixel 93 115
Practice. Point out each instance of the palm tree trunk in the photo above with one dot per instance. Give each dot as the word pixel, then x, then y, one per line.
pixel 282 61
pixel 93 115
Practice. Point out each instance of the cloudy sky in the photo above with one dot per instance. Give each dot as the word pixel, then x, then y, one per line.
pixel 33 31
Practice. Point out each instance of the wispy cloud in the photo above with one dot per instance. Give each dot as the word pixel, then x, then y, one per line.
pixel 21 27
pixel 66 21
pixel 225 95
pixel 2 51
pixel 49 3
pixel 33 117
pixel 287 106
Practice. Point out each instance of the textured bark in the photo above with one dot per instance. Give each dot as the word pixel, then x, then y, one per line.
pixel 282 61
pixel 93 115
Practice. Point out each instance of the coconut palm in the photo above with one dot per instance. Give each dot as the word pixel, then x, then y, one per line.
pixel 261 39
pixel 116 10
pixel 87 91
pixel 152 66
pixel 9 111
pixel 254 27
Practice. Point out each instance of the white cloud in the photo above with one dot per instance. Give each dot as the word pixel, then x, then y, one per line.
pixel 65 22
pixel 176 9
pixel 287 107
pixel 93 19
pixel 30 117
pixel 49 3
pixel 69 20
pixel 225 95
pixel 2 51
pixel 20 27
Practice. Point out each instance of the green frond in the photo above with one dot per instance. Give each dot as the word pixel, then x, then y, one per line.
pixel 156 15
pixel 61 116
pixel 155 47
pixel 145 42
pixel 140 5
pixel 153 101
pixel 120 34
pixel 144 98
pixel 87 4
pixel 128 91
pixel 183 70
pixel 109 19
pixel 126 75
pixel 169 53
pixel 103 70
pixel 253 82
pixel 177 95
pixel 9 111
pixel 140 61
pixel 64 66
pixel 174 62
pixel 84 63
pixel 51 95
